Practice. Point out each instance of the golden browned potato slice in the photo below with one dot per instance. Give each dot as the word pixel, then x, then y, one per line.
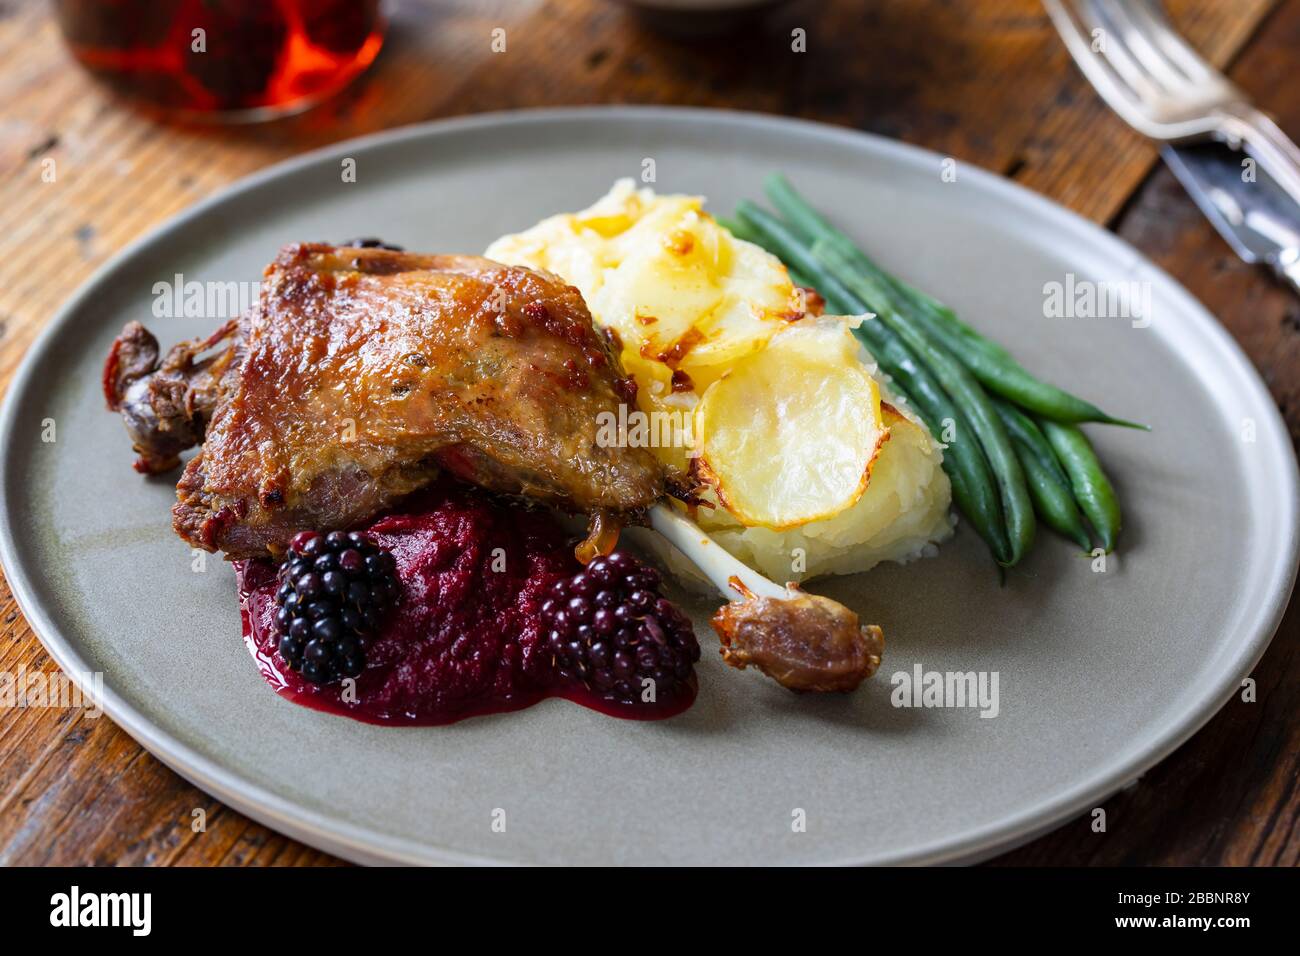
pixel 789 434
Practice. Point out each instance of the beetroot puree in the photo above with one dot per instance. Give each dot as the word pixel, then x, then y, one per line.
pixel 465 637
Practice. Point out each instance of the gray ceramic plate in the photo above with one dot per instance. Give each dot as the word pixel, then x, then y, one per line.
pixel 1100 674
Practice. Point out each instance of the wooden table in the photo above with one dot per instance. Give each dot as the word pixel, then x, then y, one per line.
pixel 985 81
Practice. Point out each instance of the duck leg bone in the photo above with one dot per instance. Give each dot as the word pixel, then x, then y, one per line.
pixel 802 641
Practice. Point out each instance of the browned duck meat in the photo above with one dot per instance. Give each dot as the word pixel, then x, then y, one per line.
pixel 804 642
pixel 166 404
pixel 363 371
pixel 360 374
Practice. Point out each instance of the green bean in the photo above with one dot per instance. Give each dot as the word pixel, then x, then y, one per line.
pixel 1023 429
pixel 806 221
pixel 1053 500
pixel 1092 489
pixel 1048 484
pixel 973 486
pixel 991 363
pixel 960 384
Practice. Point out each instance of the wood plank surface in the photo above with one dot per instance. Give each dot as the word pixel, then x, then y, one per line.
pixel 984 81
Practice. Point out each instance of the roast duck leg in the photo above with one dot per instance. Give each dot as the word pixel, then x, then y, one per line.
pixel 364 372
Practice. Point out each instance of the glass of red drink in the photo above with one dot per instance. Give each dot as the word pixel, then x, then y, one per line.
pixel 224 59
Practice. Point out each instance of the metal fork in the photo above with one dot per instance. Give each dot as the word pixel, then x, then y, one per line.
pixel 1162 87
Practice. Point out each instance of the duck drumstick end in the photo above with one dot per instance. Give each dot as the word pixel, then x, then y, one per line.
pixel 804 642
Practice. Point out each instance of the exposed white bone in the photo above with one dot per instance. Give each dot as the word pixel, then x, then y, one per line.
pixel 713 560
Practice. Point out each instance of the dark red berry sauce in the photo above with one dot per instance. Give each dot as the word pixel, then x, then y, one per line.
pixel 466 637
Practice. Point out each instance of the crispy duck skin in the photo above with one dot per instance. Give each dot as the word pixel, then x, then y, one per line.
pixel 360 374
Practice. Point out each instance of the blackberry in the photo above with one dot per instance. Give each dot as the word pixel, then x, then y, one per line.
pixel 334 591
pixel 609 628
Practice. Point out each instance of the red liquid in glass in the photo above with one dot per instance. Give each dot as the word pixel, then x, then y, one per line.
pixel 224 57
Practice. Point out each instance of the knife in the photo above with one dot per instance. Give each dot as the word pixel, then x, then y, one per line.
pixel 1259 220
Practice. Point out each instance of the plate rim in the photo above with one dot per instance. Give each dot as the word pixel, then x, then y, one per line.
pixel 367 845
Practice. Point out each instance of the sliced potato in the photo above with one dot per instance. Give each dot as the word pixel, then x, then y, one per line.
pixel 681 292
pixel 789 435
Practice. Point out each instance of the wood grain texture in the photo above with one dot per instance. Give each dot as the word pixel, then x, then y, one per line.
pixel 984 81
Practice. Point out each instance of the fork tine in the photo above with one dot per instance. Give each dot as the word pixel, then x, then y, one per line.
pixel 1119 56
pixel 1141 43
pixel 1112 88
pixel 1149 16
